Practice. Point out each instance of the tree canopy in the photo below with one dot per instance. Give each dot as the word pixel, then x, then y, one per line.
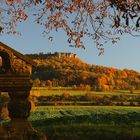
pixel 68 70
pixel 100 20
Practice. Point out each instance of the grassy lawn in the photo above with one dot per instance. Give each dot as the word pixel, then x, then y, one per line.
pixel 56 91
pixel 86 123
pixel 93 108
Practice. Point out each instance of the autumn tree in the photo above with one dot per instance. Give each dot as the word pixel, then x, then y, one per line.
pixel 100 20
pixel 36 82
pixel 49 84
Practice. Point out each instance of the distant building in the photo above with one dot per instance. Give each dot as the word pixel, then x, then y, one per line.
pixel 63 54
pixel 56 54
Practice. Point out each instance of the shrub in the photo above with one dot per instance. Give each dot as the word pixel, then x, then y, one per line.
pixel 89 96
pixel 87 88
pixel 132 88
pixel 74 87
pixel 65 95
pixel 132 104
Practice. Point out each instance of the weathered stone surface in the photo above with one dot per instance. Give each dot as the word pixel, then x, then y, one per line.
pixel 18 85
pixel 26 59
pixel 13 82
pixel 4 134
pixel 4 114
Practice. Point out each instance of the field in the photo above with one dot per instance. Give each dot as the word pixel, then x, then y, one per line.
pixel 87 123
pixel 59 91
pixel 69 96
pixel 102 122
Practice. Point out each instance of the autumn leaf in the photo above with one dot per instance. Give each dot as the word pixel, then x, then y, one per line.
pixel 50 38
pixel 77 41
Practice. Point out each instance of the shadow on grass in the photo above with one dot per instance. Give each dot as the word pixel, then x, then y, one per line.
pixel 77 128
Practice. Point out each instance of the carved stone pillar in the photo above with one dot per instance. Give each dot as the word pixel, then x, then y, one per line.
pixel 19 110
pixel 15 79
pixel 19 106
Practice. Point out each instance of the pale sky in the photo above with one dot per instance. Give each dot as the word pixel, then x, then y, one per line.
pixel 124 54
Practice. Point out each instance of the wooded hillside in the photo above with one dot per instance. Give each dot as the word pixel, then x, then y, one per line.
pixel 67 70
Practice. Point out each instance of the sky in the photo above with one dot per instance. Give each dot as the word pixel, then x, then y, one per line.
pixel 124 54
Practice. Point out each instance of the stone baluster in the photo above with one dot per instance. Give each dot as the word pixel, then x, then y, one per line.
pixel 19 110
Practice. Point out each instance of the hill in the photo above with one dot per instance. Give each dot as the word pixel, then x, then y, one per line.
pixel 66 69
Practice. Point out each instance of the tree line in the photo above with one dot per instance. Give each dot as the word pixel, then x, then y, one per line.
pixel 67 71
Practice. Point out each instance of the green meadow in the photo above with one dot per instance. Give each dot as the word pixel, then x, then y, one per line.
pixel 87 123
pixel 59 91
pixel 67 122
